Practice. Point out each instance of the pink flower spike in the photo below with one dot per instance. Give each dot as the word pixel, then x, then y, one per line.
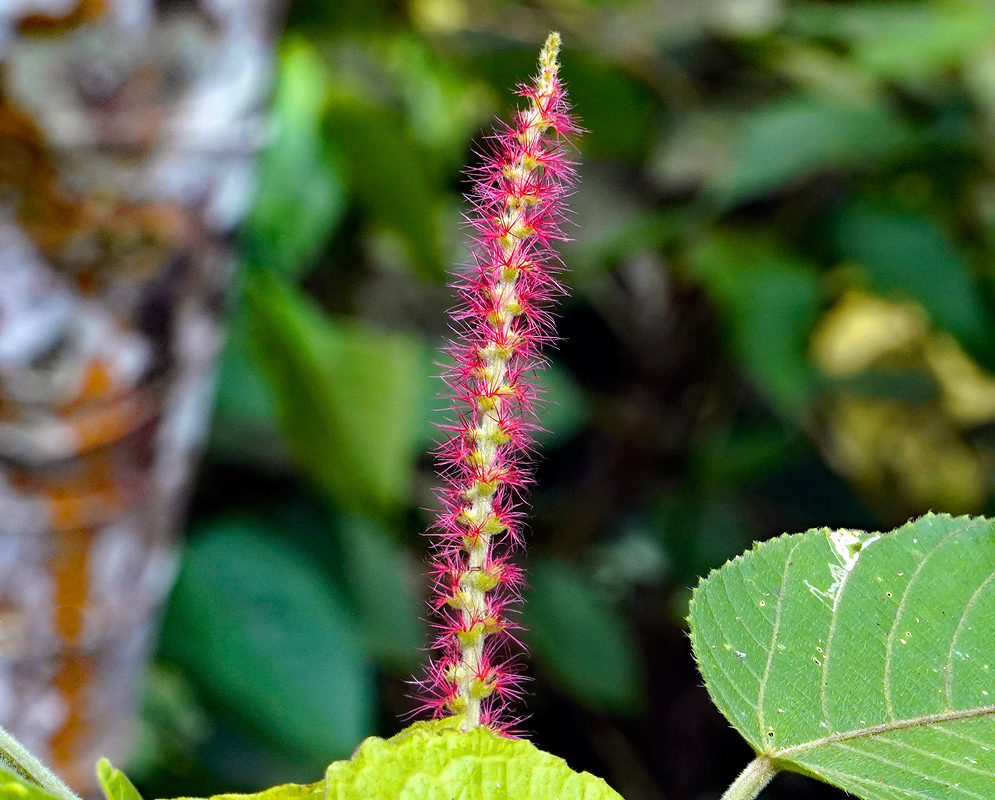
pixel 502 320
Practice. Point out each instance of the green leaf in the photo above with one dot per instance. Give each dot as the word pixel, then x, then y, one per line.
pixel 580 640
pixel 21 770
pixel 288 791
pixel 115 783
pixel 15 787
pixel 443 105
pixel 617 109
pixel 909 41
pixel 251 620
pixel 861 659
pixel 244 427
pixel 911 256
pixel 349 397
pixel 301 196
pixel 795 137
pixel 435 761
pixel 387 173
pixel 381 584
pixel 769 300
pixel 565 409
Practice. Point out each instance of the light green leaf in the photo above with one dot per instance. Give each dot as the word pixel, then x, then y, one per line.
pixel 443 105
pixel 301 197
pixel 253 622
pixel 115 783
pixel 381 584
pixel 583 643
pixel 862 659
pixel 434 761
pixel 14 787
pixel 349 397
pixel 288 791
pixel 795 137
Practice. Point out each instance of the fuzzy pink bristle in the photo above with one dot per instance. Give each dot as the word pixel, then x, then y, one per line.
pixel 502 321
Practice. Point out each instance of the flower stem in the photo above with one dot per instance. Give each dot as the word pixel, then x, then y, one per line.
pixel 752 780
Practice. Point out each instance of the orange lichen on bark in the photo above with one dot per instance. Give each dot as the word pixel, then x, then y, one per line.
pixel 83 12
pixel 73 680
pixel 91 496
pixel 69 566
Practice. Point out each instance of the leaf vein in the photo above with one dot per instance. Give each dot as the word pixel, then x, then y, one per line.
pixel 889 706
pixel 907 770
pixel 781 592
pixel 734 685
pixel 896 725
pixel 948 677
pixel 894 791
pixel 928 754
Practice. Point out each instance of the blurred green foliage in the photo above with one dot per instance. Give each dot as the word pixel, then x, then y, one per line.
pixel 781 316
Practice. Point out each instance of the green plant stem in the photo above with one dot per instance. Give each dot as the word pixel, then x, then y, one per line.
pixel 15 758
pixel 752 780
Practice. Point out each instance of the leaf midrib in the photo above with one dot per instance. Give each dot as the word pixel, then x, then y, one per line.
pixel 885 727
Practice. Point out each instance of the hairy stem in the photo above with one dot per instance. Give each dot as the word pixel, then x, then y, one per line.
pixel 15 758
pixel 752 780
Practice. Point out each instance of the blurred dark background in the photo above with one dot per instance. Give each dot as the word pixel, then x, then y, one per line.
pixel 780 317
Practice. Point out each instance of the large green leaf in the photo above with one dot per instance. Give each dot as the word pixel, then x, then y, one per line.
pixel 253 622
pixel 434 761
pixel 301 195
pixel 288 791
pixel 865 660
pixel 583 643
pixel 350 398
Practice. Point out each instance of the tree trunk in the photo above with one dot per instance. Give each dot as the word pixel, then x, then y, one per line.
pixel 127 134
